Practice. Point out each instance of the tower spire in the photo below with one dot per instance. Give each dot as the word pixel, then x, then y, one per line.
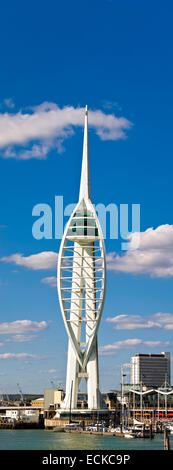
pixel 81 289
pixel 85 177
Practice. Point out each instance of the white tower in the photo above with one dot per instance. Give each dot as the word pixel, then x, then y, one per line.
pixel 81 289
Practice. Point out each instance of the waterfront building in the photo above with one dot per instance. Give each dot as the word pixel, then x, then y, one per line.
pixel 27 415
pixel 81 290
pixel 149 404
pixel 151 370
pixel 38 402
pixel 53 397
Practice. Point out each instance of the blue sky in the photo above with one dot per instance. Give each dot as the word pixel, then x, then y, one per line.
pixel 56 57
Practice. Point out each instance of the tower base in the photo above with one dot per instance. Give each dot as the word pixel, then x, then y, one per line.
pixel 82 415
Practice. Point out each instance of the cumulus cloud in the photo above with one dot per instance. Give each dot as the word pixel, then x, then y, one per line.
pixel 130 344
pixel 21 356
pixel 43 260
pixel 154 255
pixel 134 322
pixel 50 281
pixel 46 126
pixel 22 326
pixel 21 338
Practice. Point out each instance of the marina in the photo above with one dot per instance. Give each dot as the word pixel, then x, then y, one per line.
pixel 40 439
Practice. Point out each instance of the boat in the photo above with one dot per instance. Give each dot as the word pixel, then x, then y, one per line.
pixel 129 435
pixel 98 427
pixel 58 429
pixel 72 427
pixel 137 425
pixel 118 431
pixel 141 429
pixel 169 427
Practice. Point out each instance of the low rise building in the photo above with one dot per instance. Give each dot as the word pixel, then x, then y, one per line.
pixel 53 398
pixel 25 415
pixel 38 402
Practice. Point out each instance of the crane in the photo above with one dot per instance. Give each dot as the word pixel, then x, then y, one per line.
pixel 59 387
pixel 53 384
pixel 7 396
pixel 20 391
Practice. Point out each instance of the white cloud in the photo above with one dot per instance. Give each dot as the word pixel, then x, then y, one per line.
pixel 164 319
pixel 22 326
pixel 110 105
pixel 43 260
pixel 9 103
pixel 130 344
pixel 131 322
pixel 121 344
pixel 46 126
pixel 23 356
pixel 154 255
pixel 134 322
pixel 21 338
pixel 50 281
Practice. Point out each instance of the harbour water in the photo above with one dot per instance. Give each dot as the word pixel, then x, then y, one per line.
pixel 49 440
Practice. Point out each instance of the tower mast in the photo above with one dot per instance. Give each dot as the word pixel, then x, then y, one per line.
pixel 85 190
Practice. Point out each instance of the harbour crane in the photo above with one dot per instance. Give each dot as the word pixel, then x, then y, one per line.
pixel 59 387
pixel 20 391
pixel 7 396
pixel 54 384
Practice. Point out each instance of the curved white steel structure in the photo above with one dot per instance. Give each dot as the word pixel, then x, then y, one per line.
pixel 81 290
